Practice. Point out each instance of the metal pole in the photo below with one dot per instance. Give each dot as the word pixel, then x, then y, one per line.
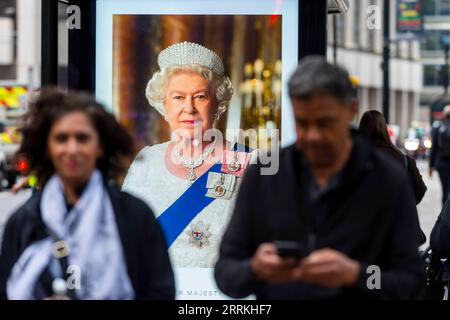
pixel 334 38
pixel 446 68
pixel 312 28
pixel 386 58
pixel 81 68
pixel 49 45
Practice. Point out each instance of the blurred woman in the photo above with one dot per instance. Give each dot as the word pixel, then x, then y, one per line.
pixel 80 237
pixel 373 126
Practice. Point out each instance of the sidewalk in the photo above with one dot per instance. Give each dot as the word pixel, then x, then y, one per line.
pixel 430 206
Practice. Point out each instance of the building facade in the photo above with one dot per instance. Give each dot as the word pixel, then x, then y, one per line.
pixel 359 38
pixel 20 42
pixel 436 29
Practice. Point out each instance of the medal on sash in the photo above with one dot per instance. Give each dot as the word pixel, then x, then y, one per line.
pixel 220 185
pixel 199 234
pixel 235 163
pixel 220 182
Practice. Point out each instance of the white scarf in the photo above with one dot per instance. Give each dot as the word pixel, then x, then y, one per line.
pixel 91 231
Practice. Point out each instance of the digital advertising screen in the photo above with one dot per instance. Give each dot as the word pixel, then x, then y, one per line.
pixel 258 48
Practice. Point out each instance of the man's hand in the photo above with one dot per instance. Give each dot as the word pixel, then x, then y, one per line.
pixel 325 267
pixel 57 298
pixel 328 268
pixel 268 266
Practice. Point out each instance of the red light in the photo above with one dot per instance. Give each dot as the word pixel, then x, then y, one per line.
pixel 273 19
pixel 391 132
pixel 23 165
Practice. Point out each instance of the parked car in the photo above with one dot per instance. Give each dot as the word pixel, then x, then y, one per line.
pixel 10 143
pixel 3 173
pixel 417 144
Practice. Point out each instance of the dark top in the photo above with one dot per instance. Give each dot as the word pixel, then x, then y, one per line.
pixel 440 235
pixel 410 165
pixel 369 214
pixel 144 246
pixel 436 159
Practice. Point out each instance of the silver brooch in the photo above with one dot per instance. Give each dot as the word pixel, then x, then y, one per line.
pixel 219 188
pixel 199 234
pixel 220 185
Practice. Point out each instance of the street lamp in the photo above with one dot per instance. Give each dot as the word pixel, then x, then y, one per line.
pixel 445 67
pixel 386 59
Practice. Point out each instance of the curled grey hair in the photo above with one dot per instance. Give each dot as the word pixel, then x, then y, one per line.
pixel 156 87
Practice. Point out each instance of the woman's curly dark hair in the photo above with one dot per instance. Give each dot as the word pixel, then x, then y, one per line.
pixel 51 104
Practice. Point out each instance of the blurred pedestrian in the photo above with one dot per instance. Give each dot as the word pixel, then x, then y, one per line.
pixel 440 153
pixel 19 185
pixel 29 181
pixel 336 216
pixel 373 126
pixel 440 236
pixel 439 260
pixel 80 237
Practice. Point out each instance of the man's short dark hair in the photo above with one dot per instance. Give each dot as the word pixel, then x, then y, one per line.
pixel 314 75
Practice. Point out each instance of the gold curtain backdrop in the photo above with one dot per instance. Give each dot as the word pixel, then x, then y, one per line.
pixel 249 45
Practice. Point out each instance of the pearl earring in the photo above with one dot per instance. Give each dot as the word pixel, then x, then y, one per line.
pixel 219 112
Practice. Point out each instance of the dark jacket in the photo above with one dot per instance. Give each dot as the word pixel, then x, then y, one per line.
pixel 370 216
pixel 143 244
pixel 436 159
pixel 440 235
pixel 410 165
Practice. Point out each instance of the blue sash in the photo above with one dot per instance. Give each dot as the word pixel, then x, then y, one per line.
pixel 177 217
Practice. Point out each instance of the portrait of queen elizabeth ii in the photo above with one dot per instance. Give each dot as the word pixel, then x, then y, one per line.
pixel 191 181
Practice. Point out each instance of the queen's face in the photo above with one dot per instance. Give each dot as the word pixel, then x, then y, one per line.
pixel 189 103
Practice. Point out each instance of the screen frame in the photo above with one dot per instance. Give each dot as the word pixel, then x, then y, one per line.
pixel 312 31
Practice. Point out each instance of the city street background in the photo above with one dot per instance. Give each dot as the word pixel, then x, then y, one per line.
pixel 428 209
pixel 418 84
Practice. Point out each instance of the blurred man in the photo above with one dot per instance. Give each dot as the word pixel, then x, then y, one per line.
pixel 337 221
pixel 440 153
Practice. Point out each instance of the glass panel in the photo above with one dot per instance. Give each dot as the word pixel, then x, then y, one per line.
pixel 433 40
pixel 444 9
pixel 432 75
pixel 429 7
pixel 63 45
pixel 356 23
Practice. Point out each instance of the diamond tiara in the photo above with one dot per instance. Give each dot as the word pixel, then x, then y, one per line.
pixel 184 53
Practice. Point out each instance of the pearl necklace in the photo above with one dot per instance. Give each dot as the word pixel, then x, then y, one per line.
pixel 191 164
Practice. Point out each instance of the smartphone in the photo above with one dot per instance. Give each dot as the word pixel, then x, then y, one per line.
pixel 290 249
